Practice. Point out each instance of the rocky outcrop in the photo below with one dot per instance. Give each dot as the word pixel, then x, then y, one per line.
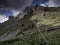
pixel 53 28
pixel 9 35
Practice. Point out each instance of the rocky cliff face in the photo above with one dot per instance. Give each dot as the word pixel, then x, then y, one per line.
pixel 17 25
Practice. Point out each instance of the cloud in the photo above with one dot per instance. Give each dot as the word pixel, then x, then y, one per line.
pixel 43 5
pixel 3 18
pixel 54 3
pixel 15 12
pixel 51 3
pixel 5 13
pixel 12 8
pixel 9 11
pixel 16 4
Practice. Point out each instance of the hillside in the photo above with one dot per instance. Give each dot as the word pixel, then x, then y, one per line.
pixel 30 28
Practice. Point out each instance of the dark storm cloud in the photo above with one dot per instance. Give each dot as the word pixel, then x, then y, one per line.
pixel 15 3
pixel 11 7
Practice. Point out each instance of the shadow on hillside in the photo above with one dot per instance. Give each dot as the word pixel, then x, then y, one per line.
pixel 25 23
pixel 29 14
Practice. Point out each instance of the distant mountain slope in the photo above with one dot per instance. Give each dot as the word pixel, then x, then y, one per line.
pixel 22 29
pixel 24 17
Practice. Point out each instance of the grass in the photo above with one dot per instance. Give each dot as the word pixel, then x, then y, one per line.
pixel 53 37
pixel 50 18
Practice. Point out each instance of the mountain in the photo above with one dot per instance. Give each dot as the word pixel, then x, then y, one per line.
pixel 30 27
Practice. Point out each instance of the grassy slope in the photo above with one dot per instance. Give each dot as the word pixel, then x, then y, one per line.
pixel 53 37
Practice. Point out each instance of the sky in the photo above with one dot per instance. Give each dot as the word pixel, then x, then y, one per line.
pixel 54 3
pixel 14 7
pixel 34 2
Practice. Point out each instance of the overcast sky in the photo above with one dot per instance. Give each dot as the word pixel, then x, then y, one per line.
pixel 13 7
pixel 54 3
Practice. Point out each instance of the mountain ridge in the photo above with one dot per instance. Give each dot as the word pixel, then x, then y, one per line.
pixel 22 26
